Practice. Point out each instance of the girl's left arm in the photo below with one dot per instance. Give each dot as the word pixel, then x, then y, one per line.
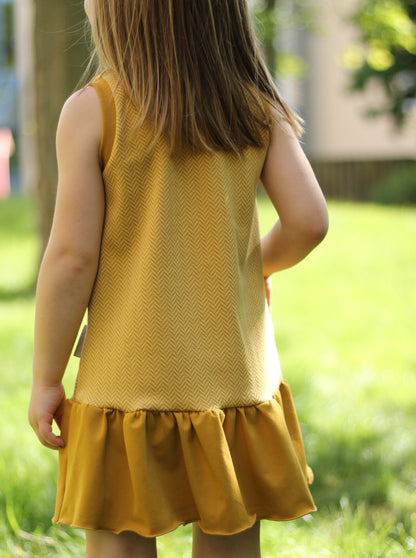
pixel 70 262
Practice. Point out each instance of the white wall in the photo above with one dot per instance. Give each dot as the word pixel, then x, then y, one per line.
pixel 336 124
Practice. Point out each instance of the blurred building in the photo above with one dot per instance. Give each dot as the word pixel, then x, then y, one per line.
pixel 350 151
pixel 8 78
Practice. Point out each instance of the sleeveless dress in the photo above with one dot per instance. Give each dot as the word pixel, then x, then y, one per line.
pixel 180 413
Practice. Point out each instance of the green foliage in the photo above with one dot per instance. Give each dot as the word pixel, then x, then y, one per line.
pixel 344 324
pixel 386 52
pixel 399 187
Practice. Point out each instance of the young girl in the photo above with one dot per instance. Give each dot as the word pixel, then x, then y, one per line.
pixel 180 413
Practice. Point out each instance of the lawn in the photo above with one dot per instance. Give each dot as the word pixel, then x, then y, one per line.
pixel 344 325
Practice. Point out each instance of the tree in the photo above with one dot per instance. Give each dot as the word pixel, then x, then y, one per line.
pixel 385 52
pixel 59 58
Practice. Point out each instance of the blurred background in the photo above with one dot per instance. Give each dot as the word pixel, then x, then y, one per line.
pixel 347 67
pixel 344 319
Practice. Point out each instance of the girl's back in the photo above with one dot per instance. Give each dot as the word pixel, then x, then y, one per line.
pixel 180 413
pixel 179 287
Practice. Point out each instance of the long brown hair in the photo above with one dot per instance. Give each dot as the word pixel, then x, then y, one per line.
pixel 192 68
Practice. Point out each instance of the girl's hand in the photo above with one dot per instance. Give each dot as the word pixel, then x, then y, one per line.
pixel 268 290
pixel 46 406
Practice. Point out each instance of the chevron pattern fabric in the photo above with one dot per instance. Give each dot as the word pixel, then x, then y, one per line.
pixel 179 412
pixel 177 318
pixel 149 472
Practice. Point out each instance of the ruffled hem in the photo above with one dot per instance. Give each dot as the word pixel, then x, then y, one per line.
pixel 150 472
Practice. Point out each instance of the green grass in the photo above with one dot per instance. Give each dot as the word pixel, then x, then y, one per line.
pixel 344 324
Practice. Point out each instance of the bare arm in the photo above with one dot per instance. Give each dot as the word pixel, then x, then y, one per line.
pixel 69 266
pixel 295 193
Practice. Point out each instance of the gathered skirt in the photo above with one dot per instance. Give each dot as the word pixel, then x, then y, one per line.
pixel 151 471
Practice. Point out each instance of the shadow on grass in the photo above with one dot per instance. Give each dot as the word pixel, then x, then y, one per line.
pixel 350 465
pixel 23 292
pixel 365 460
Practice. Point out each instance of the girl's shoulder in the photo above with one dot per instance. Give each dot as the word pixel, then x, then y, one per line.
pixel 81 117
pixel 82 107
pixel 81 100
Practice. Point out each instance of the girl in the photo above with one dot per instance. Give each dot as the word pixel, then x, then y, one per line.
pixel 180 413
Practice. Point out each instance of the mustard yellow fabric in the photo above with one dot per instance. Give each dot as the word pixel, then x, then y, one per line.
pixel 150 472
pixel 179 411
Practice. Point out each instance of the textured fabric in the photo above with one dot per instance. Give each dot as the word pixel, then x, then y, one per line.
pixel 223 468
pixel 177 414
pixel 177 318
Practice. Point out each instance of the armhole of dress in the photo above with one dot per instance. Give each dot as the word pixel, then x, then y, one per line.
pixel 108 115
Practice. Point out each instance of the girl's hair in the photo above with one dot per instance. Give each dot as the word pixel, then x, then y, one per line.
pixel 192 68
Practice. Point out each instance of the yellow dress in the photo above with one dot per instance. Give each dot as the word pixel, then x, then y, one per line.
pixel 180 412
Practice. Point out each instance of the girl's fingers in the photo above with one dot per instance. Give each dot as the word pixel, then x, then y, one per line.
pixel 47 437
pixel 46 406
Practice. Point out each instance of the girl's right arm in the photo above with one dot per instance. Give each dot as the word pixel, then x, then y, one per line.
pixel 295 193
pixel 70 263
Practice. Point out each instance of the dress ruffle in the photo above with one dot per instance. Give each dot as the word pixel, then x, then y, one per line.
pixel 149 471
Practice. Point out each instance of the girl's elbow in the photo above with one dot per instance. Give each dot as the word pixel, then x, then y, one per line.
pixel 319 230
pixel 82 263
pixel 315 229
pixel 74 262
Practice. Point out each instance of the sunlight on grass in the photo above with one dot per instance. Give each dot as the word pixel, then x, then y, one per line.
pixel 344 325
